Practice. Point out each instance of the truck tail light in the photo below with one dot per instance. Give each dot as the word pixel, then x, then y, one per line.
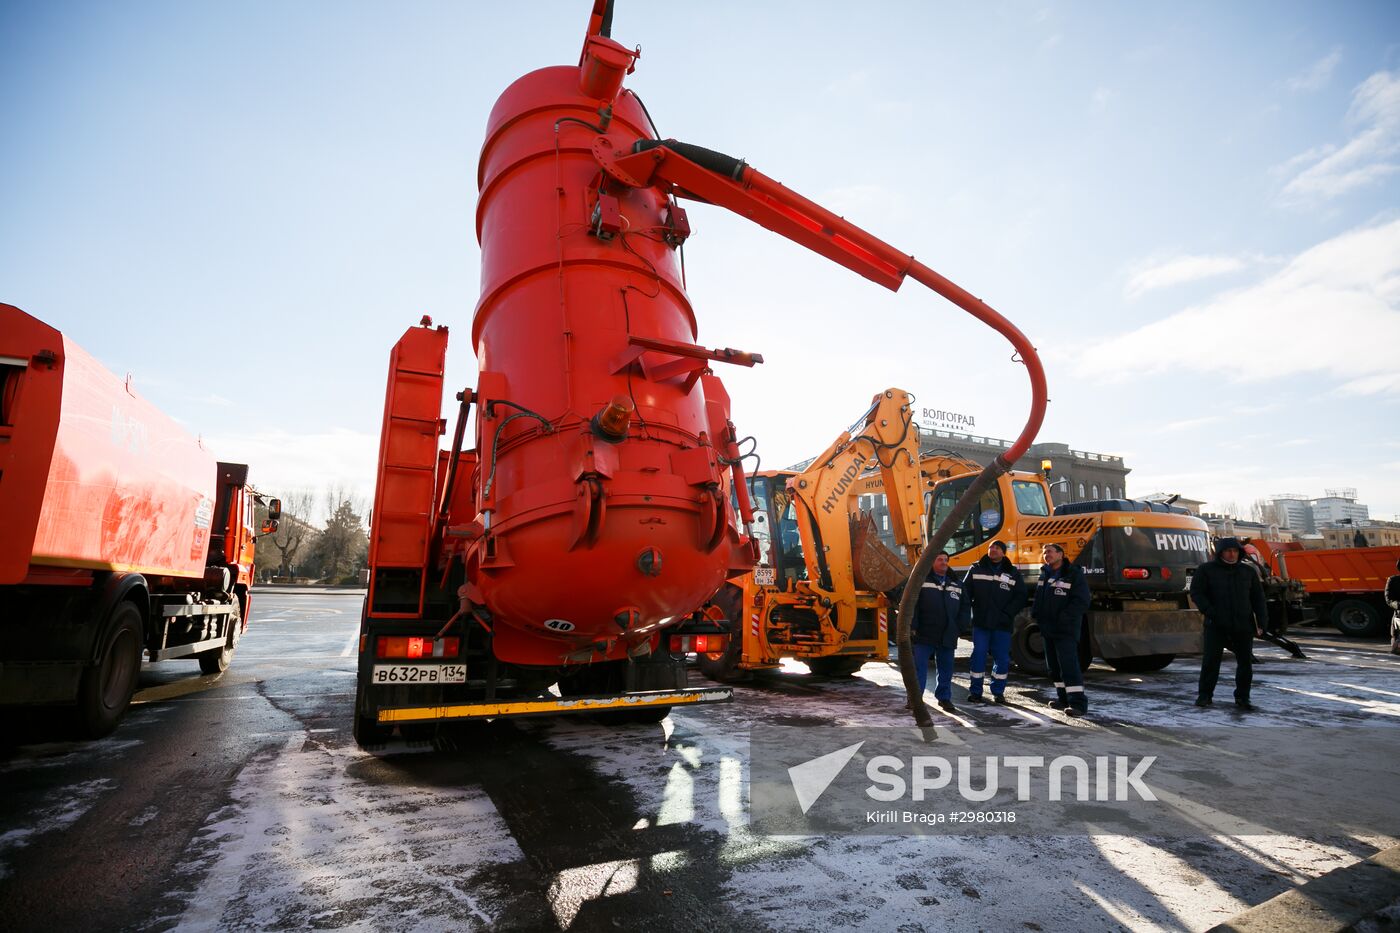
pixel 700 644
pixel 1166 573
pixel 414 648
pixel 1136 573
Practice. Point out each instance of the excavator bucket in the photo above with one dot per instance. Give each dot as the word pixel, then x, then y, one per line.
pixel 877 567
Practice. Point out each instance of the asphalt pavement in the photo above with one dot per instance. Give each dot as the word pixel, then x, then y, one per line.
pixel 242 802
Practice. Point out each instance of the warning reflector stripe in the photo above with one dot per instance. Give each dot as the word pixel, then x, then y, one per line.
pixel 556 706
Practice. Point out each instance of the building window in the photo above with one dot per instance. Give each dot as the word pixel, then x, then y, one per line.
pixel 1081 490
pixel 1096 490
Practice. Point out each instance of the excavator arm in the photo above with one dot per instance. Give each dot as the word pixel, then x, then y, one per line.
pixel 884 438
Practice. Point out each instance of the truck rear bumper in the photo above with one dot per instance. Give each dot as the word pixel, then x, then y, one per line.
pixel 554 706
pixel 1137 633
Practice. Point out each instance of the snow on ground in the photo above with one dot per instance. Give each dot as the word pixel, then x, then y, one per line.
pixel 995 882
pixel 462 834
pixel 323 836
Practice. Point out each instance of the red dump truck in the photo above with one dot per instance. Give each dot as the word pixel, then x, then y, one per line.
pixel 122 537
pixel 1343 585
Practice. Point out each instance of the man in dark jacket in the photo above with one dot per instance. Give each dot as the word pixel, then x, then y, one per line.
pixel 1392 599
pixel 1228 593
pixel 996 592
pixel 939 616
pixel 1061 599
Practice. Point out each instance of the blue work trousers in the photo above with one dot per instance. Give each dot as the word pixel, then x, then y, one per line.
pixel 999 644
pixel 943 658
pixel 1062 663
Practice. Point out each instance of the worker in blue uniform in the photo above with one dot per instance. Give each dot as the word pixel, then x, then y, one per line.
pixel 996 591
pixel 1061 600
pixel 939 615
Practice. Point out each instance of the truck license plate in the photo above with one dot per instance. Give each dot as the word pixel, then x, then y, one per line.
pixel 764 576
pixel 420 673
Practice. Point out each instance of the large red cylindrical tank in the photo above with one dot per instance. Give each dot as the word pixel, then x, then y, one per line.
pixel 592 542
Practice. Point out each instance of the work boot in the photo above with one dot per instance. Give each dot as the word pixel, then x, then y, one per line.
pixel 1056 703
pixel 1203 701
pixel 999 699
pixel 1075 712
pixel 947 706
pixel 977 698
pixel 1244 706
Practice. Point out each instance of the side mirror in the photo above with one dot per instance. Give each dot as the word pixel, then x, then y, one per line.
pixel 269 526
pixel 274 511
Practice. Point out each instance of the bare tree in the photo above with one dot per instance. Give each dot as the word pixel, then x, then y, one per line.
pixel 295 533
pixel 1264 512
pixel 1230 508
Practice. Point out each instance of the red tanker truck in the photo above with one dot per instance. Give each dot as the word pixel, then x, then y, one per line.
pixel 122 537
pixel 565 561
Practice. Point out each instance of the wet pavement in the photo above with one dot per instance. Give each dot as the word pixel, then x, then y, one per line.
pixel 242 802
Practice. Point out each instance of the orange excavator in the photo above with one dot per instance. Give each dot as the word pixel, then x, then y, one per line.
pixel 817 593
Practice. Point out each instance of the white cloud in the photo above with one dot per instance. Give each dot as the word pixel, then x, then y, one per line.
pixel 1191 423
pixel 1371 153
pixel 1381 383
pixel 1334 309
pixel 279 461
pixel 1316 75
pixel 1179 270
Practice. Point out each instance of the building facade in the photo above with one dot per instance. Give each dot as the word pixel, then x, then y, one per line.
pixel 1075 475
pixel 1338 506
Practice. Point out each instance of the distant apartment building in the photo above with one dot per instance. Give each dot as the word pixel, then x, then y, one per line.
pixel 1293 512
pixel 1338 506
pixel 1303 515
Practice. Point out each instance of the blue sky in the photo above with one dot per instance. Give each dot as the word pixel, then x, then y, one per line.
pixel 1192 208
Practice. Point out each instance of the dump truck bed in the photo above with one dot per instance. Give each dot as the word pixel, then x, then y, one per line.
pixel 1341 570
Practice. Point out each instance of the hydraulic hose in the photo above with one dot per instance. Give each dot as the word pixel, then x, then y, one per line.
pixel 711 176
pixel 984 481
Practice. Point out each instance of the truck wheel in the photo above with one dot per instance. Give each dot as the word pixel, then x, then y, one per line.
pixel 723 667
pixel 1356 618
pixel 107 687
pixel 216 661
pixel 1142 663
pixel 835 666
pixel 1028 649
pixel 368 732
pixel 366 729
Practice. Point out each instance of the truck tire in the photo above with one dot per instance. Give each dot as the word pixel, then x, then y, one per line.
pixel 723 667
pixel 1356 618
pixel 1141 664
pixel 107 687
pixel 217 660
pixel 366 730
pixel 1028 648
pixel 834 667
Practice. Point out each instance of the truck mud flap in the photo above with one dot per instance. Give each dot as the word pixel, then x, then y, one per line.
pixel 1136 633
pixel 553 706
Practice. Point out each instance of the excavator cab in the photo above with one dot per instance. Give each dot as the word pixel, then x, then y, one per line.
pixel 775 531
